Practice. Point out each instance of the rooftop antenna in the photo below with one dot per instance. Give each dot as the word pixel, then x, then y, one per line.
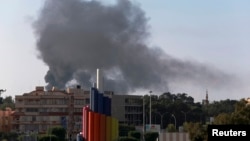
pixel 207 95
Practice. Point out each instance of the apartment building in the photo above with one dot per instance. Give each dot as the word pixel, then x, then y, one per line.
pixel 6 119
pixel 128 109
pixel 38 110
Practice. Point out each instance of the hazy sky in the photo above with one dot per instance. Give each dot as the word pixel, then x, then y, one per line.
pixel 213 33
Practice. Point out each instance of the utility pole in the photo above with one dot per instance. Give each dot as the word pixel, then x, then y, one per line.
pixel 161 115
pixel 174 120
pixel 185 115
pixel 143 116
pixel 150 108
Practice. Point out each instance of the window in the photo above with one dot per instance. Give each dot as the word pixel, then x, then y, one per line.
pixel 31 110
pixel 33 118
pixel 87 101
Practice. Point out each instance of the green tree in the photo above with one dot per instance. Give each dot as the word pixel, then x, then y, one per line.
pixel 134 134
pixel 48 138
pixel 223 106
pixel 8 136
pixel 127 139
pixel 7 102
pixel 180 104
pixel 241 115
pixel 26 137
pixel 197 132
pixel 185 126
pixel 171 128
pixel 151 136
pixel 223 118
pixel 58 131
pixel 124 129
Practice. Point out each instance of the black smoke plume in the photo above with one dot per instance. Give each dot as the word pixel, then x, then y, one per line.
pixel 75 37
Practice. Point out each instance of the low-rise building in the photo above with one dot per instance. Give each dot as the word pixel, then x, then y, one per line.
pixel 38 110
pixel 6 120
pixel 127 109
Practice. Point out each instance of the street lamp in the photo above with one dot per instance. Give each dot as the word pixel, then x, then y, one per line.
pixel 185 116
pixel 143 116
pixel 50 126
pixel 50 123
pixel 150 108
pixel 161 115
pixel 174 120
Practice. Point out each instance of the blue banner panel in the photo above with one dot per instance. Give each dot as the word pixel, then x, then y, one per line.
pixel 105 107
pixel 100 103
pixel 94 99
pixel 95 107
pixel 92 91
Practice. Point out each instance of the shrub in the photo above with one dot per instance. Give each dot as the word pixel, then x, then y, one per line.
pixel 134 134
pixel 124 129
pixel 171 128
pixel 48 138
pixel 151 136
pixel 58 131
pixel 127 139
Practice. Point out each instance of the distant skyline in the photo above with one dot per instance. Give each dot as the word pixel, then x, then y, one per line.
pixel 212 33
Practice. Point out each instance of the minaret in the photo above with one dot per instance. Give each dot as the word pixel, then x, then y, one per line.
pixel 205 101
pixel 206 97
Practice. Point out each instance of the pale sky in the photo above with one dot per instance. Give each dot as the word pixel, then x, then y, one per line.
pixel 216 33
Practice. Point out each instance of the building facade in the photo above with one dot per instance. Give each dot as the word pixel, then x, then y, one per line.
pixel 6 120
pixel 38 110
pixel 127 109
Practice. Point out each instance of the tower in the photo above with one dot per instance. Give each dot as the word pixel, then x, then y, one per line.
pixel 99 80
pixel 205 101
pixel 207 96
pixel 97 121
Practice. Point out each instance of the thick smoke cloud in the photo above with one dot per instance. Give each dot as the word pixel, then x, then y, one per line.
pixel 76 37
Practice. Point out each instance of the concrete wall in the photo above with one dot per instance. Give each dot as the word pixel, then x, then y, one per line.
pixel 174 136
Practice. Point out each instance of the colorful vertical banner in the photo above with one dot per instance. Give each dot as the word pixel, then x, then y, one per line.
pixel 97 124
